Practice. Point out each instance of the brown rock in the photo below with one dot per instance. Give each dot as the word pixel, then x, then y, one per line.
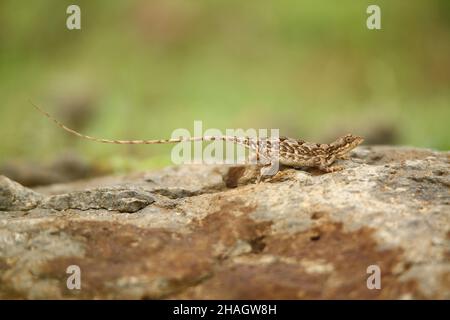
pixel 207 232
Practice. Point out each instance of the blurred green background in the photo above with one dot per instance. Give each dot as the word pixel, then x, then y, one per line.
pixel 140 69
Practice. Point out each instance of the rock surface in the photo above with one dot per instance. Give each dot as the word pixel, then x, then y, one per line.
pixel 13 196
pixel 209 232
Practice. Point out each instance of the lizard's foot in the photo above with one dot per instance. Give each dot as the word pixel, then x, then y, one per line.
pixel 267 172
pixel 331 169
pixel 269 178
pixel 258 179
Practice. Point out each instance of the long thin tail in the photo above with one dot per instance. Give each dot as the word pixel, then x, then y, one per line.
pixel 239 140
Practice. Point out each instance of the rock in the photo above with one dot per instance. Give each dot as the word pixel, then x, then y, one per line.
pixel 110 199
pixel 210 232
pixel 14 197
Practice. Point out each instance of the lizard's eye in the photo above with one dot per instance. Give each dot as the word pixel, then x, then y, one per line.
pixel 348 139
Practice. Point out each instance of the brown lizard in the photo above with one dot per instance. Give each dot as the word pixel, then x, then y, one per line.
pixel 287 151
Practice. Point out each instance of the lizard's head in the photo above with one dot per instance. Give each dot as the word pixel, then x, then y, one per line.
pixel 344 144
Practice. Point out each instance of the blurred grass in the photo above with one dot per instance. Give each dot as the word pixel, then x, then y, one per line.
pixel 145 68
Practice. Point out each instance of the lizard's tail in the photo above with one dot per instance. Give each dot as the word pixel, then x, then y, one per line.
pixel 162 141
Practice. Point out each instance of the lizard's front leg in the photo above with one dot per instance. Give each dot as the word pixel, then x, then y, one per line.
pixel 326 165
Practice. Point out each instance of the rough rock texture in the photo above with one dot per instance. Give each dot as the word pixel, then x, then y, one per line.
pixel 210 232
pixel 13 196
pixel 122 200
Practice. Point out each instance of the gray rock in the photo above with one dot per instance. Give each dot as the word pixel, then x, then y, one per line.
pixel 14 197
pixel 110 199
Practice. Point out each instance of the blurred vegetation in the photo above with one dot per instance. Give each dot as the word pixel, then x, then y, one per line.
pixel 140 69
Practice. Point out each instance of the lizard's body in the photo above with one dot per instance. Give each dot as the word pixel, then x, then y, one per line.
pixel 287 151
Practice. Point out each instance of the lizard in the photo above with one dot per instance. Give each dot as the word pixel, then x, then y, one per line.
pixel 288 152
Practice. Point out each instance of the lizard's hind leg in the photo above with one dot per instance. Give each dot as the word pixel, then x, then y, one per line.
pixel 268 170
